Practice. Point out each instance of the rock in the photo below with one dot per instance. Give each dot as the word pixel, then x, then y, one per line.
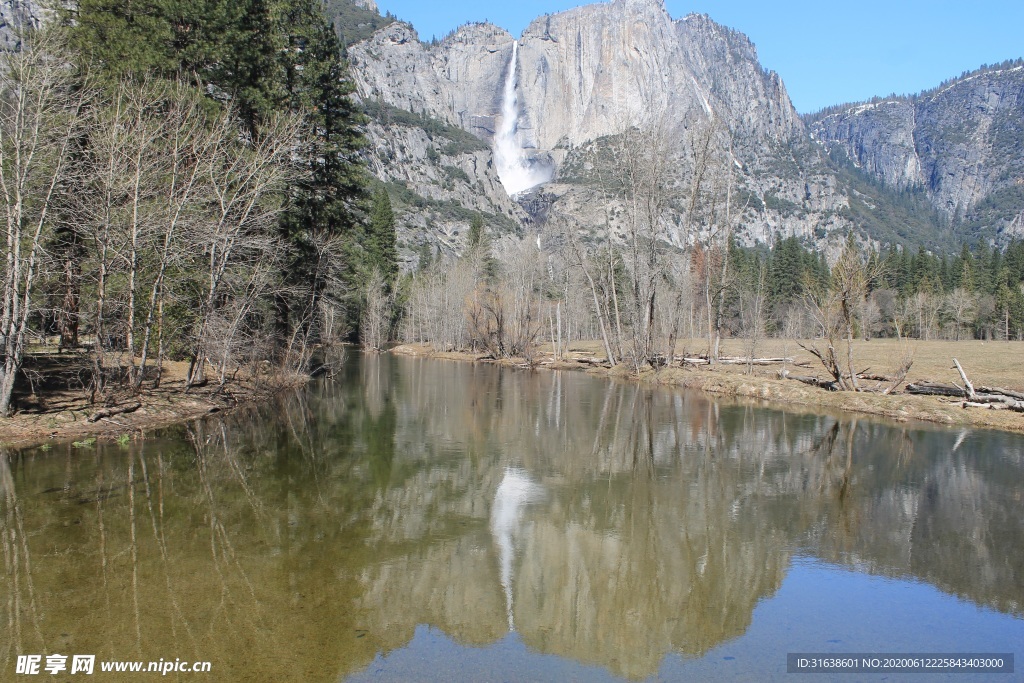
pixel 16 15
pixel 960 143
pixel 596 71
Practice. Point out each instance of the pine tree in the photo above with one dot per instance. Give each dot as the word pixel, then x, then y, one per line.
pixel 265 57
pixel 123 39
pixel 476 231
pixel 381 250
pixel 329 203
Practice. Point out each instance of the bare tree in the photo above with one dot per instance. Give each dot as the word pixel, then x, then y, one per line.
pixel 40 117
pixel 921 312
pixel 114 183
pixel 834 308
pixel 376 314
pixel 579 259
pixel 676 303
pixel 244 181
pixel 505 315
pixel 440 299
pixel 960 305
pixel 648 178
pixel 185 152
pixel 753 318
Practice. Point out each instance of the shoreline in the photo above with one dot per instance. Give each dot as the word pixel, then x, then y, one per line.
pixel 161 408
pixel 761 387
pixel 169 405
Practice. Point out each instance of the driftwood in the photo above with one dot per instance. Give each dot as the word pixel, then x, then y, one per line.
pixel 1001 392
pixel 1015 406
pixel 936 389
pixel 756 361
pixel 813 381
pixel 833 366
pixel 117 410
pixel 988 398
pixel 900 377
pixel 735 360
pixel 969 390
pixel 982 397
pixel 590 361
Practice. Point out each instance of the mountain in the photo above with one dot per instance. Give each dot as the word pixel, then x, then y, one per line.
pixel 453 124
pixel 930 171
pixel 422 144
pixel 959 144
pixel 579 78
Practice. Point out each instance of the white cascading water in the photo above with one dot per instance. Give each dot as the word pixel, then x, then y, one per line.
pixel 515 169
pixel 514 493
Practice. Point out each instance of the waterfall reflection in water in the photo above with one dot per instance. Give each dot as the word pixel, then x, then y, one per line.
pixel 318 536
pixel 510 500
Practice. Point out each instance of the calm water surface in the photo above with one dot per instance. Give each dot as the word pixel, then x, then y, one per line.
pixel 425 520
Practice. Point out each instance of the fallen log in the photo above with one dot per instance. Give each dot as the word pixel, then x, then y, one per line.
pixel 1015 407
pixel 1002 392
pixel 755 361
pixel 969 388
pixel 935 389
pixel 874 378
pixel 117 410
pixel 992 404
pixel 992 398
pixel 827 384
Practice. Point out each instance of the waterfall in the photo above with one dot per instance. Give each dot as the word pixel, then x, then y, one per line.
pixel 517 171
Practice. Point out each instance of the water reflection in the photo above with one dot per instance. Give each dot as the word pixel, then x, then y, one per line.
pixel 603 522
pixel 510 500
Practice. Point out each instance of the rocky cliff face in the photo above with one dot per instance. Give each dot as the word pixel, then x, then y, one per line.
pixel 428 138
pixel 588 74
pixel 437 184
pixel 959 143
pixel 596 71
pixel 583 74
pixel 16 15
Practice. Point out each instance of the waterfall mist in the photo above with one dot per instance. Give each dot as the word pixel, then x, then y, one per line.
pixel 517 171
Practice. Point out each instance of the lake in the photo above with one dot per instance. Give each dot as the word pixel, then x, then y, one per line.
pixel 417 519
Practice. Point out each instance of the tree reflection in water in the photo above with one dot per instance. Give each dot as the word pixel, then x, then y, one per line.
pixel 602 521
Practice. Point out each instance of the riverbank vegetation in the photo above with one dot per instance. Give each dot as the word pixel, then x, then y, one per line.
pixel 667 283
pixel 182 183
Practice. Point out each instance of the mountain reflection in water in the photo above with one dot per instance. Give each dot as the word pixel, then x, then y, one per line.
pixel 426 502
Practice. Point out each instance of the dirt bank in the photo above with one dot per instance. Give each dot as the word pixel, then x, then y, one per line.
pixel 992 363
pixel 61 416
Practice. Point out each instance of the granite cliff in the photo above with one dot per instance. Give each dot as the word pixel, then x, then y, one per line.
pixel 925 171
pixel 960 144
pixel 16 15
pixel 586 75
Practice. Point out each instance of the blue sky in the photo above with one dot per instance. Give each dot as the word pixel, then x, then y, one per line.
pixel 827 51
